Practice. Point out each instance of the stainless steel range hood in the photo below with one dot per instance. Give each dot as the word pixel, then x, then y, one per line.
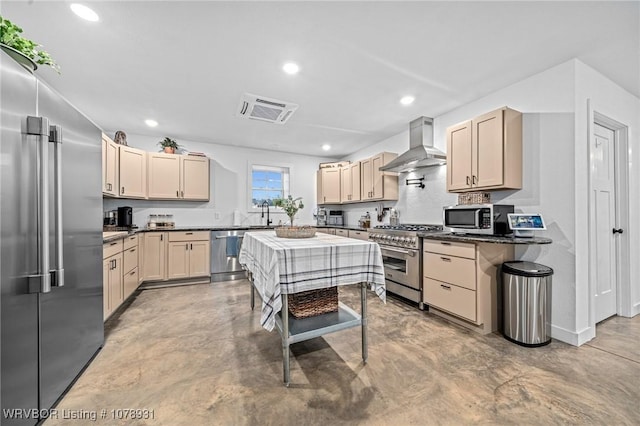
pixel 421 150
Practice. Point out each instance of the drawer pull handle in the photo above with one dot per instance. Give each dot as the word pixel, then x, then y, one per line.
pixel 445 259
pixel 132 250
pixel 113 244
pixel 132 273
pixel 445 244
pixel 189 233
pixel 446 287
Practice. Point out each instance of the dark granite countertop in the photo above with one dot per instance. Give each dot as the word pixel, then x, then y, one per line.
pixel 211 228
pixel 468 238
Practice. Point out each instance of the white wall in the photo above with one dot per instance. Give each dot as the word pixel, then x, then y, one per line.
pixel 612 101
pixel 229 182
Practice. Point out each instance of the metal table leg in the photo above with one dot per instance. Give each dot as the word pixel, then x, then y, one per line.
pixel 285 339
pixel 253 295
pixel 363 314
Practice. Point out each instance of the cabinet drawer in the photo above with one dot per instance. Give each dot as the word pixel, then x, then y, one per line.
pixel 451 248
pixel 342 232
pixel 450 269
pixel 130 241
pixel 360 235
pixel 130 282
pixel 130 259
pixel 109 249
pixel 456 300
pixel 189 236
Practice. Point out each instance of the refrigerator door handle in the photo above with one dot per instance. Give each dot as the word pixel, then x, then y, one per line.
pixel 55 137
pixel 39 127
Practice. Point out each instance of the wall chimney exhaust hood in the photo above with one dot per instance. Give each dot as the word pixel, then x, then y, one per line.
pixel 421 150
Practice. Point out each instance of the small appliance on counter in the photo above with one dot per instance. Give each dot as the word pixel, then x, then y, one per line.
pixel 335 218
pixel 110 218
pixel 483 219
pixel 523 224
pixel 125 217
pixel 321 216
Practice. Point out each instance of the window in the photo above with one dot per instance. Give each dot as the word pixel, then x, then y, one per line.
pixel 268 183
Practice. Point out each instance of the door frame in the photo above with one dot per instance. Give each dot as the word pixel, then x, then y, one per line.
pixel 622 169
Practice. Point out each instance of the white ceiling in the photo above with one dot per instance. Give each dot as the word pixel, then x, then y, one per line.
pixel 186 64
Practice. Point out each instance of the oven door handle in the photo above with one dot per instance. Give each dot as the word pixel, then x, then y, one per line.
pixel 411 253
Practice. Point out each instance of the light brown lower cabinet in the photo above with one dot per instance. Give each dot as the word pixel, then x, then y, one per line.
pixel 342 232
pixel 119 272
pixel 359 235
pixel 460 281
pixel 176 255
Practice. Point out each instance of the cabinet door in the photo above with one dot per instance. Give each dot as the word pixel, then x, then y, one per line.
pixel 366 172
pixel 487 141
pixel 331 185
pixel 133 173
pixel 376 177
pixel 342 232
pixel 106 303
pixel 110 166
pixel 178 260
pixel 345 177
pixel 459 156
pixel 194 178
pixel 154 256
pixel 164 176
pixel 354 171
pixel 115 282
pixel 359 235
pixel 199 259
pixel 130 282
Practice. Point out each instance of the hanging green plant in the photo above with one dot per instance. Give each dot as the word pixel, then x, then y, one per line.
pixel 10 36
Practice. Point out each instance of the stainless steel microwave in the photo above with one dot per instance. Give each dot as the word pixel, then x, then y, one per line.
pixel 484 219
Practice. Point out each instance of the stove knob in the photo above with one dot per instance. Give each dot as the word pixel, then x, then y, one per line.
pixel 402 241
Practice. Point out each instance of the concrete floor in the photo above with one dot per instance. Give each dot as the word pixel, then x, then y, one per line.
pixel 197 355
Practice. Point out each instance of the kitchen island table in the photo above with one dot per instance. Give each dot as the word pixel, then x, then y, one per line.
pixel 281 266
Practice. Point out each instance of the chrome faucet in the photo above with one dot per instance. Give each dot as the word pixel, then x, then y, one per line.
pixel 266 204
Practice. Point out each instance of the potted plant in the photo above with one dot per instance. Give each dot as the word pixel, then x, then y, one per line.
pixel 169 145
pixel 24 51
pixel 291 206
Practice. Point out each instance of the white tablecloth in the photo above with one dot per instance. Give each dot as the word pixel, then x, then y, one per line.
pixel 288 265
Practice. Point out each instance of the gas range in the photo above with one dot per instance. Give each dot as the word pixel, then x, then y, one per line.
pixel 405 235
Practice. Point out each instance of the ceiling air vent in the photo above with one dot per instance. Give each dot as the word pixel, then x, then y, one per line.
pixel 265 109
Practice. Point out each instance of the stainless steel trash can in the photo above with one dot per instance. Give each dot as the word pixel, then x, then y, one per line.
pixel 526 296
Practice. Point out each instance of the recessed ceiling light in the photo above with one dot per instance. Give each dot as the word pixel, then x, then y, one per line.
pixel 326 147
pixel 84 12
pixel 291 68
pixel 407 100
pixel 151 123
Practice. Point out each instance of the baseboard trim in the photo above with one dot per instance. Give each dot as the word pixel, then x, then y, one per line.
pixel 572 337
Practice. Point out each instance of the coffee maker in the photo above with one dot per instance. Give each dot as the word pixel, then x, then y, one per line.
pixel 125 217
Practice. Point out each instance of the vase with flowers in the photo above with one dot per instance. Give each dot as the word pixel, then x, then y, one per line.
pixel 291 206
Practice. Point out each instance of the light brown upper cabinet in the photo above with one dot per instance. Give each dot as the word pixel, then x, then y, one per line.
pixel 485 153
pixel 133 172
pixel 328 185
pixel 375 184
pixel 194 178
pixel 109 167
pixel 178 177
pixel 350 183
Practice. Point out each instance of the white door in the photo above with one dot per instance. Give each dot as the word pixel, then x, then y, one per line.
pixel 605 217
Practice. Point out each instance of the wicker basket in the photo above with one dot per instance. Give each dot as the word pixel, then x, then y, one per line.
pixel 474 198
pixel 313 302
pixel 295 231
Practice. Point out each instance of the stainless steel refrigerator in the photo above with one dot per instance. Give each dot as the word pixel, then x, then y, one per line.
pixel 50 245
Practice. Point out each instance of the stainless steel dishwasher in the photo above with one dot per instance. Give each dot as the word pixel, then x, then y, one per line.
pixel 225 248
